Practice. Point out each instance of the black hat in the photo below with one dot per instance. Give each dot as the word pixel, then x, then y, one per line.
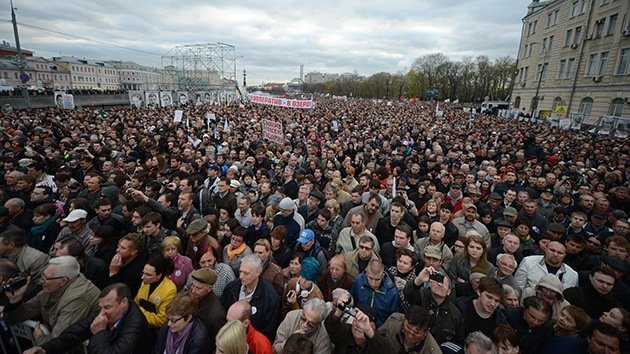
pixel 615 263
pixel 317 194
pixel 599 215
pixel 503 223
pixel 496 196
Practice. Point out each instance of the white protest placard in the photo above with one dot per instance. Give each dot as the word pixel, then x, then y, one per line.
pixel 272 131
pixel 68 101
pixel 178 116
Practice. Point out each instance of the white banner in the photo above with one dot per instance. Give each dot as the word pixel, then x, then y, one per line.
pixel 272 131
pixel 178 116
pixel 281 102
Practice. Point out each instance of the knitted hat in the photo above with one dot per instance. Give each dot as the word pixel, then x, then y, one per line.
pixel 286 204
pixel 310 269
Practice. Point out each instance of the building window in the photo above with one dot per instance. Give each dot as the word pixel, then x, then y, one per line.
pixel 562 68
pixel 616 107
pixel 612 23
pixel 525 73
pixel 623 68
pixel 575 8
pixel 568 40
pixel 584 4
pixel 596 65
pixel 603 61
pixel 605 2
pixel 592 64
pixel 578 34
pixel 586 106
pixel 570 65
pixel 542 71
pixel 599 27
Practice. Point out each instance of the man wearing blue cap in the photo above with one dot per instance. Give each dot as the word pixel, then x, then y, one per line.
pixel 308 244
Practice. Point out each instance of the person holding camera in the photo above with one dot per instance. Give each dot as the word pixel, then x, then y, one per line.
pixel 306 321
pixel 357 336
pixel 431 290
pixel 66 297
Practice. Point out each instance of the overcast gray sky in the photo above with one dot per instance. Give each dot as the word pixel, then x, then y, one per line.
pixel 273 37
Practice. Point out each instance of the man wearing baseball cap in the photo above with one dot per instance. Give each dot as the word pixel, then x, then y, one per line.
pixel 76 226
pixel 309 244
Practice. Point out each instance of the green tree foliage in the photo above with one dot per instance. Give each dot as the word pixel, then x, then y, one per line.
pixel 469 79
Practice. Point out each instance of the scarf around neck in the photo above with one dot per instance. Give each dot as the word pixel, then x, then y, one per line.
pixel 175 341
pixel 233 252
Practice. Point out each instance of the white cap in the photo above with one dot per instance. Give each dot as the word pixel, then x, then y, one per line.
pixel 75 215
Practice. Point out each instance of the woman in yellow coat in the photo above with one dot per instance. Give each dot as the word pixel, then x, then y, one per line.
pixel 156 290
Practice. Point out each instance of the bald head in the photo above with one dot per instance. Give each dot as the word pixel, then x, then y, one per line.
pixel 239 311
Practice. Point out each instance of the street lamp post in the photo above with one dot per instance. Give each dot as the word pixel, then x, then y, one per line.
pixel 20 58
pixel 536 99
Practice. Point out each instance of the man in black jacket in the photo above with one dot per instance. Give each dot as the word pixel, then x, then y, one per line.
pixel 128 262
pixel 259 292
pixel 119 327
pixel 448 324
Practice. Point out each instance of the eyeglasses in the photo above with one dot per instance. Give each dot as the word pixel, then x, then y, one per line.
pixel 45 278
pixel 307 322
pixel 367 248
pixel 174 320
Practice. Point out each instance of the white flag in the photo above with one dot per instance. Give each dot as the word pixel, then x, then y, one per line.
pixel 226 126
pixel 394 188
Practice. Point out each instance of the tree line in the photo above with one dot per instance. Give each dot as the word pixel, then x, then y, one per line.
pixel 432 76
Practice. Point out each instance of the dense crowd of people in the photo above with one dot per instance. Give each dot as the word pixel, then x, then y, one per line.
pixel 373 227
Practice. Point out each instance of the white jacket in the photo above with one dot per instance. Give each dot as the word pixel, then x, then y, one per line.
pixel 532 268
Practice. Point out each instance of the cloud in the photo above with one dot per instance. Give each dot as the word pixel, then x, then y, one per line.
pixel 272 38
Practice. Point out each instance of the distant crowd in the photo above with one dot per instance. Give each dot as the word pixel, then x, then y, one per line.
pixel 372 227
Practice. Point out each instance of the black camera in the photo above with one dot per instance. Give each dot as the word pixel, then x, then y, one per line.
pixel 346 308
pixel 12 285
pixel 437 277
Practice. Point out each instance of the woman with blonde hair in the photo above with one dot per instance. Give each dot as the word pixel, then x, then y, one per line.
pixel 171 246
pixel 231 339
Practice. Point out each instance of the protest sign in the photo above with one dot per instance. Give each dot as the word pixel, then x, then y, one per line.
pixel 272 131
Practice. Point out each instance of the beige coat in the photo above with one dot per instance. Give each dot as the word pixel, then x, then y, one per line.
pixel 391 329
pixel 59 309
